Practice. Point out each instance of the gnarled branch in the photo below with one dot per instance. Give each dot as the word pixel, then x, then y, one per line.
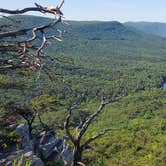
pixel 38 8
pixel 30 54
pixel 86 143
pixel 66 126
pixel 90 118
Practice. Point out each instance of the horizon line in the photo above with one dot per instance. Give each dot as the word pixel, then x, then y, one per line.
pixel 95 20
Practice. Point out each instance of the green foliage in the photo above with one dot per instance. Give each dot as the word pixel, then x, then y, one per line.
pixel 20 161
pixel 109 58
pixel 44 101
pixel 134 141
pixel 8 137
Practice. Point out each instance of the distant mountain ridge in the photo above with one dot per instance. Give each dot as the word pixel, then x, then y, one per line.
pixel 99 38
pixel 154 28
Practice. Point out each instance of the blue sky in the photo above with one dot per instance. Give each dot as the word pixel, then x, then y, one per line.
pixel 120 10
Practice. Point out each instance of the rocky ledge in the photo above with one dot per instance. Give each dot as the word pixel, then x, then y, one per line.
pixel 43 147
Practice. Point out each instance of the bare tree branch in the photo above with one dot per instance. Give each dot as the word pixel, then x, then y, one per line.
pixel 67 124
pixel 90 118
pixel 14 33
pixel 38 8
pixel 94 138
pixel 81 163
pixel 30 54
pixel 61 4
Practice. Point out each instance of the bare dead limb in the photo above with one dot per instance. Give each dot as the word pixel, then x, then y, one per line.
pixel 30 54
pixel 38 8
pixel 90 119
pixel 81 164
pixel 94 138
pixel 14 33
pixel 67 125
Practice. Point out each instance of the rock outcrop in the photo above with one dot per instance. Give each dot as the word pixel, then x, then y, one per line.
pixel 52 149
pixel 23 156
pixel 45 146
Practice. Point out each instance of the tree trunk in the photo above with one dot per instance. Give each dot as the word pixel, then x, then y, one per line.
pixel 30 129
pixel 77 155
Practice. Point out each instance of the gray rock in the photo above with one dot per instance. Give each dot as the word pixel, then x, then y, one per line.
pixel 23 130
pixel 9 163
pixel 27 156
pixel 13 126
pixel 68 155
pixel 51 148
pixel 36 161
pixel 61 151
pixel 47 146
pixel 54 157
pixel 59 145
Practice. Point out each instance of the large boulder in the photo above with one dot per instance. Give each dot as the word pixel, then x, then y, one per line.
pixel 68 155
pixel 36 161
pixel 26 142
pixel 46 144
pixel 53 149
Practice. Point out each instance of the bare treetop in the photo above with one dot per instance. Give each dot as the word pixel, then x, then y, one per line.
pixel 29 52
pixel 38 8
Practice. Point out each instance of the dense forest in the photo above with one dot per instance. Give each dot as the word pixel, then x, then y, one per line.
pixel 94 59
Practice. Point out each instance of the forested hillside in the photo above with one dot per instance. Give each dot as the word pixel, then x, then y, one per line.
pixel 154 28
pixel 97 58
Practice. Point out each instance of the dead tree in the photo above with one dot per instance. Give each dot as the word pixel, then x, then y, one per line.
pixel 79 147
pixel 29 49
